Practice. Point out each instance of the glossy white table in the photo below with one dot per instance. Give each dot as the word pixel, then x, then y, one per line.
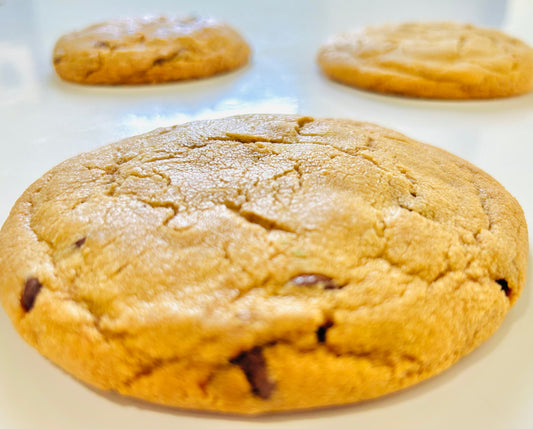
pixel 44 120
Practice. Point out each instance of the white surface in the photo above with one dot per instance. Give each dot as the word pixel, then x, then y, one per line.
pixel 44 120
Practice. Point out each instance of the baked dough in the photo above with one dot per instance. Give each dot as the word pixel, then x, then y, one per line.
pixel 260 263
pixel 149 50
pixel 431 60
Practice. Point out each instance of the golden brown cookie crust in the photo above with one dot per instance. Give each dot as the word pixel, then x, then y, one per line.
pixel 261 263
pixel 431 60
pixel 149 50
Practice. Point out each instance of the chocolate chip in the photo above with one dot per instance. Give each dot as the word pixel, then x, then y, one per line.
pixel 57 59
pixel 80 242
pixel 308 279
pixel 504 285
pixel 31 289
pixel 321 331
pixel 253 365
pixel 101 44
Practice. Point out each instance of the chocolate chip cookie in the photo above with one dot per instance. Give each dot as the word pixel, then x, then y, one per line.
pixel 431 60
pixel 262 262
pixel 149 50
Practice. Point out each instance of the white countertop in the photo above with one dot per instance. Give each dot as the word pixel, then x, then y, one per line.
pixel 44 121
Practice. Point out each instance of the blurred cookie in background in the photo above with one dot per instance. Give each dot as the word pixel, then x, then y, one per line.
pixel 149 50
pixel 442 60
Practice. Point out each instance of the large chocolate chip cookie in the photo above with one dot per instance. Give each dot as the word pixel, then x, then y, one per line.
pixel 261 263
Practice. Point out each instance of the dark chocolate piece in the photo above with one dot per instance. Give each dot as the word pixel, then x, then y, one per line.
pixel 80 242
pixel 504 285
pixel 253 365
pixel 322 330
pixel 101 44
pixel 30 292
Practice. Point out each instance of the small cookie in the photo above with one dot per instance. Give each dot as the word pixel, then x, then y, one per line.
pixel 431 60
pixel 261 263
pixel 149 50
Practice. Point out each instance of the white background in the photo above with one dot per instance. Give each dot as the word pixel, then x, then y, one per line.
pixel 44 120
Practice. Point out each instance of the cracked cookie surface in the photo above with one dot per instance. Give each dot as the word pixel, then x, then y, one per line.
pixel 262 262
pixel 149 50
pixel 430 60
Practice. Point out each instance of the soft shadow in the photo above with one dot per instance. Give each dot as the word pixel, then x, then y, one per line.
pixel 504 104
pixel 221 81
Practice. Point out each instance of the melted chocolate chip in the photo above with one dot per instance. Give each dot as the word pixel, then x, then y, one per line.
pixel 308 279
pixel 30 292
pixel 80 242
pixel 321 331
pixel 504 285
pixel 253 365
pixel 101 44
